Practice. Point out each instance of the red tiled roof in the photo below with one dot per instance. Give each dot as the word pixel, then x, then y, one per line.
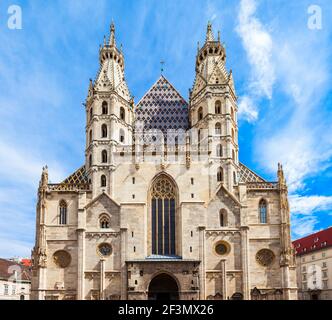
pixel 314 242
pixel 6 273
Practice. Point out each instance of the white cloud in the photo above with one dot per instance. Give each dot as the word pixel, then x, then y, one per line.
pixel 283 60
pixel 247 109
pixel 307 205
pixel 303 226
pixel 258 45
pixel 306 213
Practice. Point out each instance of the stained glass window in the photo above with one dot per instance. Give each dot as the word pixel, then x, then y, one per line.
pixel 63 213
pixel 263 211
pixel 163 217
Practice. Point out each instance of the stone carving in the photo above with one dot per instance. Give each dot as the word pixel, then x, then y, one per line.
pixel 62 258
pixel 105 249
pixel 265 257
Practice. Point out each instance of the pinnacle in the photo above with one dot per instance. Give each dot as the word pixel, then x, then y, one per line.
pixel 209 33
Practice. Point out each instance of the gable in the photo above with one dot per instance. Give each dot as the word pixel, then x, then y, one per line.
pixel 103 204
pixel 163 108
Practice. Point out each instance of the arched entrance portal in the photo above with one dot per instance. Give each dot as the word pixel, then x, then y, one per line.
pixel 163 287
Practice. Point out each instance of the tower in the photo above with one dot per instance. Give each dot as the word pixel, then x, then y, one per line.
pixel 109 116
pixel 213 112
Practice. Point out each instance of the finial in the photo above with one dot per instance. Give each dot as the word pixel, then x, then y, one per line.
pixel 104 41
pixel 162 63
pixel 198 46
pixel 219 36
pixel 209 33
pixel 112 35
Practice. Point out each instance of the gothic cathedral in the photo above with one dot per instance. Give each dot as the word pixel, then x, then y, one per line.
pixel 162 207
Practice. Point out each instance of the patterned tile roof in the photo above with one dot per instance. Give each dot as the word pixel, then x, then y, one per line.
pixel 77 178
pixel 247 175
pixel 163 108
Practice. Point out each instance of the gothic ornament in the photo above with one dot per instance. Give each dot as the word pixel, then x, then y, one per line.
pixel 105 249
pixel 62 258
pixel 265 257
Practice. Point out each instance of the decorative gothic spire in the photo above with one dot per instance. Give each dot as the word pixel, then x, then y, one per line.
pixel 112 42
pixel 281 176
pixel 209 33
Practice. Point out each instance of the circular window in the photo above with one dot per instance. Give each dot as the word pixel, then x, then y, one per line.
pixel 222 248
pixel 62 258
pixel 105 249
pixel 265 257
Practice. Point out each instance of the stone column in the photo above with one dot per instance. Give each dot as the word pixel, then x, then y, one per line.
pixel 224 279
pixel 285 277
pixel 245 263
pixel 123 267
pixel 81 224
pixel 102 279
pixel 80 264
pixel 202 274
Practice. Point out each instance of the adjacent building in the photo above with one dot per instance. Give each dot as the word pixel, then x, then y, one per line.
pixel 15 280
pixel 314 265
pixel 162 208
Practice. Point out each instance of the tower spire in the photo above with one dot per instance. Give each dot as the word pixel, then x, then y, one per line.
pixel 209 33
pixel 112 42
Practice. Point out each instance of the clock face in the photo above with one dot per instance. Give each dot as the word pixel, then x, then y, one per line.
pixel 105 249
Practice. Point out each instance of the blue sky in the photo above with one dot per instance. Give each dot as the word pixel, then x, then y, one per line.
pixel 282 72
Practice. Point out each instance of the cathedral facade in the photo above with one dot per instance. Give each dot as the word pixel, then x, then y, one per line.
pixel 162 207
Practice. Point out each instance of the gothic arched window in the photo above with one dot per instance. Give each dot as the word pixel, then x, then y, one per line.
pixel 233 155
pixel 122 114
pixel 104 131
pixel 263 211
pixel 218 128
pixel 90 136
pixel 200 114
pixel 234 178
pixel 232 113
pixel 63 212
pixel 220 175
pixel 104 108
pixel 104 156
pixel 91 113
pixel 122 136
pixel 163 215
pixel 104 222
pixel 219 150
pixel 103 181
pixel 233 134
pixel 90 160
pixel 218 107
pixel 223 217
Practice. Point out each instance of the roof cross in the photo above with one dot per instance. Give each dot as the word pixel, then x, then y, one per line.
pixel 162 63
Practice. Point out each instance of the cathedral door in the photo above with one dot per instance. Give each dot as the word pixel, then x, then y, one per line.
pixel 163 287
